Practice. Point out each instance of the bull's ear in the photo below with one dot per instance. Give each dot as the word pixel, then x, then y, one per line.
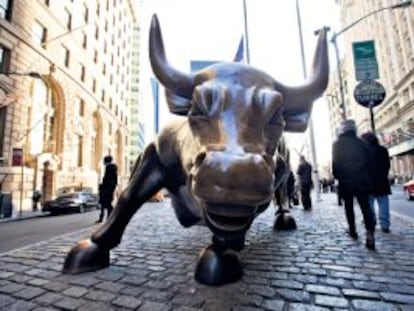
pixel 299 100
pixel 177 104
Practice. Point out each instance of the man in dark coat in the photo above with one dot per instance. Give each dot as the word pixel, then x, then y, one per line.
pixel 107 187
pixel 381 188
pixel 351 167
pixel 305 181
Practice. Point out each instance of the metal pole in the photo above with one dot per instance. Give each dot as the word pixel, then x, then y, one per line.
pixel 311 132
pixel 22 185
pixel 246 33
pixel 340 82
pixel 371 113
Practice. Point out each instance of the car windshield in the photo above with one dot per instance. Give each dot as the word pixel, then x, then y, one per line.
pixel 70 190
pixel 70 195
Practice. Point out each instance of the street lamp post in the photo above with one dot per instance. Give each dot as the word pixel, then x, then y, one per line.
pixel 401 5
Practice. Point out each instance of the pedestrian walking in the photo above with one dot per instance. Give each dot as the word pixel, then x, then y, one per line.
pixel 352 168
pixel 35 200
pixel 381 188
pixel 107 187
pixel 304 173
pixel 291 190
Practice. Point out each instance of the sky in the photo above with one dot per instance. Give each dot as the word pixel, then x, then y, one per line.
pixel 211 30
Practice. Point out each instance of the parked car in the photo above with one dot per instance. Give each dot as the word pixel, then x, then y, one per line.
pixel 409 189
pixel 72 200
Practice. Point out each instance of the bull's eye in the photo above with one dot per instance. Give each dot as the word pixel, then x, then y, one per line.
pixel 271 101
pixel 199 109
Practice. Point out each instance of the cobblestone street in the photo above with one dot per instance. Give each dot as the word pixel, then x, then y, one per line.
pixel 317 267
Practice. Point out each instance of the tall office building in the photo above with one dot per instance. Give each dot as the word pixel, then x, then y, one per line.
pixel 65 81
pixel 392 31
pixel 136 125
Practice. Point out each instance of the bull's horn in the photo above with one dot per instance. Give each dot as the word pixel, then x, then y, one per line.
pixel 179 83
pixel 299 100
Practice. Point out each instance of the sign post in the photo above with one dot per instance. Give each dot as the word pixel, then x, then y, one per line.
pixel 370 93
pixel 365 61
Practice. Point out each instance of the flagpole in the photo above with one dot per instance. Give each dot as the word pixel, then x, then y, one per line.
pixel 246 33
pixel 311 132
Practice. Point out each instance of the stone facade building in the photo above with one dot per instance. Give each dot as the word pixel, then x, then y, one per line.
pixel 65 74
pixel 393 33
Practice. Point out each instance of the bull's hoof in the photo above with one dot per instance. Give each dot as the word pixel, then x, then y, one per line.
pixel 86 256
pixel 218 267
pixel 284 221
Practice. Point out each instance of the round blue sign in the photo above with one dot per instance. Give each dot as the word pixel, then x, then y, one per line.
pixel 369 93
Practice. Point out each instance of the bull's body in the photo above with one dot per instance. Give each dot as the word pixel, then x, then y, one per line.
pixel 222 163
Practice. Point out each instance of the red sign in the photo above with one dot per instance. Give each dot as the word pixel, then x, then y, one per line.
pixel 17 157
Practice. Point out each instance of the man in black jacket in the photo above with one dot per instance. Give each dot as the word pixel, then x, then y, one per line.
pixel 381 187
pixel 352 168
pixel 107 187
pixel 305 181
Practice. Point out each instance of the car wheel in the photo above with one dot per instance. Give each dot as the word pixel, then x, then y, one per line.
pixel 408 195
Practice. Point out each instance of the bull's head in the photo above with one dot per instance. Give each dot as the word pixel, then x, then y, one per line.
pixel 237 115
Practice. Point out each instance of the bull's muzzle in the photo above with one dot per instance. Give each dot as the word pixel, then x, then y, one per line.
pixel 233 179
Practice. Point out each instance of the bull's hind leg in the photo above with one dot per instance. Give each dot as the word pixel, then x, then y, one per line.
pixel 92 254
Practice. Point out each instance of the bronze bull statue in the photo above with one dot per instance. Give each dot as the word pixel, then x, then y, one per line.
pixel 220 162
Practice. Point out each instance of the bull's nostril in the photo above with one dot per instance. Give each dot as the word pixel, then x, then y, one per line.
pixel 200 158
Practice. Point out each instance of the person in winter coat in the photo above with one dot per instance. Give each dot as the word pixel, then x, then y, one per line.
pixel 381 188
pixel 107 187
pixel 304 173
pixel 351 167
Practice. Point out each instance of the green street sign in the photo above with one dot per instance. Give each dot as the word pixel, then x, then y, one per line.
pixel 365 60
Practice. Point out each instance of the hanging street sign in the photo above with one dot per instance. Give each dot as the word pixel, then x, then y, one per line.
pixel 369 93
pixel 365 61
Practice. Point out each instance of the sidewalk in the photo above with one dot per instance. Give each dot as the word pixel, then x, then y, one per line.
pixel 26 214
pixel 317 267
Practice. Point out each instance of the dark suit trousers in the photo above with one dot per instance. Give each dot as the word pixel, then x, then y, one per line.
pixel 363 201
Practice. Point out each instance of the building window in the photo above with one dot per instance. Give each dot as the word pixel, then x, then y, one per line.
pixel 65 56
pixel 4 59
pixel 94 85
pixel 41 122
pixel 85 41
pixel 5 9
pixel 80 150
pixel 95 56
pixel 82 73
pixel 68 20
pixel 85 14
pixel 96 32
pixel 39 34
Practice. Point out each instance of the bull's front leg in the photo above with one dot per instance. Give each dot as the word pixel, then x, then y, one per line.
pixel 284 219
pixel 219 264
pixel 93 253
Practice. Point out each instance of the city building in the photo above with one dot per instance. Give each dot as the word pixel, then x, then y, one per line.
pixel 392 30
pixel 65 83
pixel 136 124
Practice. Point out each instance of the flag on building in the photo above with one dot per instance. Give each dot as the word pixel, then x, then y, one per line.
pixel 239 57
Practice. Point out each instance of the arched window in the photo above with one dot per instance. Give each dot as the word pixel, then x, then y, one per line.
pixel 41 119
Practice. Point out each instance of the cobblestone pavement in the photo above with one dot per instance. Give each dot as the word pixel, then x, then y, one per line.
pixel 317 267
